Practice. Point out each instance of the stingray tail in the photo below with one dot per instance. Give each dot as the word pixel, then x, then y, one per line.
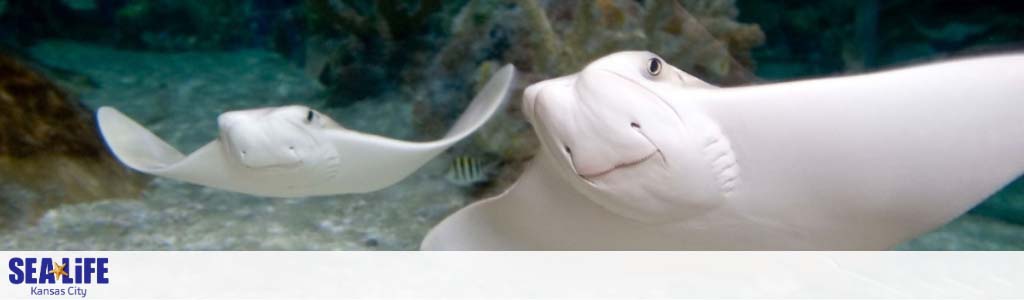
pixel 132 144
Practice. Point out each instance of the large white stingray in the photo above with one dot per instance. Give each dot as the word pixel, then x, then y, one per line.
pixel 293 151
pixel 637 154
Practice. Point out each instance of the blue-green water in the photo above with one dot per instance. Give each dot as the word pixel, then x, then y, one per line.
pixel 404 70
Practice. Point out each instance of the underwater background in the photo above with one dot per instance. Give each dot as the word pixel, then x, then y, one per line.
pixel 403 69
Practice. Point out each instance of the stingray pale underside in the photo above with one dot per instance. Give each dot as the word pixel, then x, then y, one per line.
pixel 845 163
pixel 358 162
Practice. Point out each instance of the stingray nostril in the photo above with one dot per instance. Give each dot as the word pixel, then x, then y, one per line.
pixel 567 150
pixel 635 125
pixel 243 152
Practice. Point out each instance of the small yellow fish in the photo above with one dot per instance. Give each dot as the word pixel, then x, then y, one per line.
pixel 466 170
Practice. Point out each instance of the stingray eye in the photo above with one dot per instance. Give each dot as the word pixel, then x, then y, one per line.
pixel 654 66
pixel 567 150
pixel 309 116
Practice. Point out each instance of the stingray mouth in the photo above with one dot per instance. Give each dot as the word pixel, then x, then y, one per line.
pixel 275 166
pixel 261 160
pixel 265 157
pixel 591 177
pixel 261 148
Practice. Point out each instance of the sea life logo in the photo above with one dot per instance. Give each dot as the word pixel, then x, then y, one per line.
pixel 58 277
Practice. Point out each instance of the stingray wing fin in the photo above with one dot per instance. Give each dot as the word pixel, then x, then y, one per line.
pixel 140 149
pixel 133 145
pixel 513 220
pixel 484 105
pixel 391 160
pixel 883 156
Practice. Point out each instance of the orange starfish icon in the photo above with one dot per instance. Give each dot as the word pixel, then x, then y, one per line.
pixel 58 269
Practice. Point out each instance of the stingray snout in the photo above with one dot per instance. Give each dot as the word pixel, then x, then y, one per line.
pixel 594 135
pixel 255 141
pixel 532 94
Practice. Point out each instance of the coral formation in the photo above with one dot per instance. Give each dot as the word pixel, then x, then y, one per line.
pixel 50 151
pixel 372 40
pixel 700 36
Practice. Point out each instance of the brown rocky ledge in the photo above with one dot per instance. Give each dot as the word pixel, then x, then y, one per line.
pixel 50 150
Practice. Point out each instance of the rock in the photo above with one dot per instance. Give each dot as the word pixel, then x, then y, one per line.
pixel 372 39
pixel 50 150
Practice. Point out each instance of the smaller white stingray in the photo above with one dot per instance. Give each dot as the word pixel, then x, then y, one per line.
pixel 293 151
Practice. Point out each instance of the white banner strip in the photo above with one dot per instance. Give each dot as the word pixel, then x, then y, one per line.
pixel 626 275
